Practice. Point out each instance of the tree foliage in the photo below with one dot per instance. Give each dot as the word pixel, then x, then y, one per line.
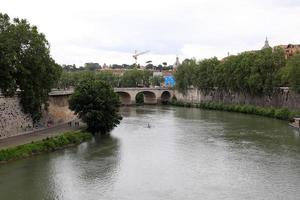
pixel 135 78
pixel 73 78
pixel 157 80
pixel 96 103
pixel 92 66
pixel 254 72
pixel 290 75
pixel 185 75
pixel 203 77
pixel 130 78
pixel 26 64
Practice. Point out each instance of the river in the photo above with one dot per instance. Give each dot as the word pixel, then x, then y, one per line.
pixel 186 154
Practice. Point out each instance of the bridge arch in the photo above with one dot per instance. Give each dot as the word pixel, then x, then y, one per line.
pixel 149 97
pixel 125 98
pixel 165 97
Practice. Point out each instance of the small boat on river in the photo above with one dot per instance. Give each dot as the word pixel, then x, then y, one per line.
pixel 296 123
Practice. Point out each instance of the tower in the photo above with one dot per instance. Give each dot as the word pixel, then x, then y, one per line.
pixel 266 46
pixel 176 64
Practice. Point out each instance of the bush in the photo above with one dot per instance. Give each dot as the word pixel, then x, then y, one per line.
pixel 45 145
pixel 283 114
pixel 278 113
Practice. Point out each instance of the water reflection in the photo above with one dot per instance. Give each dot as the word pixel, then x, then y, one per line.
pixel 66 174
pixel 93 169
pixel 186 154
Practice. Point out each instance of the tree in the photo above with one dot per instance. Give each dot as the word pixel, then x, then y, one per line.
pixel 204 74
pixel 157 80
pixel 108 77
pixel 69 67
pixel 165 64
pixel 184 75
pixel 92 66
pixel 96 104
pixel 135 78
pixel 293 72
pixel 73 78
pixel 26 64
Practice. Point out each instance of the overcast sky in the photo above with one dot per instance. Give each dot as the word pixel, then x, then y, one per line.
pixel 108 31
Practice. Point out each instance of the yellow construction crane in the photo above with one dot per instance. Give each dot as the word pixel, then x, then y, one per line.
pixel 136 54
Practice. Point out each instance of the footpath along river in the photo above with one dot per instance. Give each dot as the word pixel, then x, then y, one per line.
pixel 186 153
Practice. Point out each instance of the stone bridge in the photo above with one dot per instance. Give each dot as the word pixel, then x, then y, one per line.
pixel 151 95
pixel 128 95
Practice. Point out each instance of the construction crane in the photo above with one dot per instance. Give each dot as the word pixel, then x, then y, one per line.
pixel 136 54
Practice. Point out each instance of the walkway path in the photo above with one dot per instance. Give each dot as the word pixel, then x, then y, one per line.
pixel 37 135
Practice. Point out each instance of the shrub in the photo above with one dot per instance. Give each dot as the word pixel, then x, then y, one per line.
pixel 282 113
pixel 279 113
pixel 45 145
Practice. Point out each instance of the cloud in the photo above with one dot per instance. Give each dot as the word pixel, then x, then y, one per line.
pixel 110 31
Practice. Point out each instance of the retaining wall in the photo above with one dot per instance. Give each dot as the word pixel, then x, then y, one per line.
pixel 281 97
pixel 14 122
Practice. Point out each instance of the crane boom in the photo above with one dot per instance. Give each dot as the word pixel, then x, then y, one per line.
pixel 135 56
pixel 141 53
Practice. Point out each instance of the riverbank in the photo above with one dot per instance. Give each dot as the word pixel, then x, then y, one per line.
pixel 278 113
pixel 49 144
pixel 38 135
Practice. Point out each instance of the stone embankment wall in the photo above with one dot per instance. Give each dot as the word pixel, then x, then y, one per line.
pixel 58 110
pixel 281 97
pixel 14 122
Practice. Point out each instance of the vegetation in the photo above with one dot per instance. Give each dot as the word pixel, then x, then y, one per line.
pixel 92 66
pixel 26 64
pixel 73 78
pixel 136 78
pixel 157 80
pixel 278 113
pixel 255 72
pixel 45 145
pixel 96 103
pixel 185 75
pixel 290 75
pixel 139 98
pixel 131 78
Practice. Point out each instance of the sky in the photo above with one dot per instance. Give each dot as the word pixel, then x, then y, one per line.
pixel 109 31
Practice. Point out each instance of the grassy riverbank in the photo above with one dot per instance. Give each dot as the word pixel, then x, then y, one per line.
pixel 45 145
pixel 278 113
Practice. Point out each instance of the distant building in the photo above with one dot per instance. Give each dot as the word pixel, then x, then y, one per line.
pixel 104 66
pixel 267 45
pixel 176 64
pixel 290 49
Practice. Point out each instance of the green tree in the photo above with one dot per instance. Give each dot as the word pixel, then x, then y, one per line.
pixel 184 75
pixel 108 77
pixel 203 77
pixel 26 64
pixel 293 72
pixel 92 66
pixel 157 80
pixel 135 78
pixel 96 103
pixel 146 80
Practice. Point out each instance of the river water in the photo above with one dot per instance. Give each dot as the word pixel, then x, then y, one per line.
pixel 186 154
